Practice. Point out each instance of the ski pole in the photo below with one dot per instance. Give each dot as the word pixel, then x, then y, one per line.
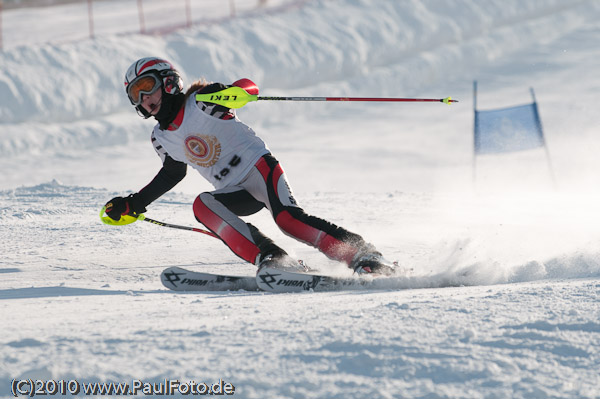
pixel 128 219
pixel 446 100
pixel 237 97
pixel 175 226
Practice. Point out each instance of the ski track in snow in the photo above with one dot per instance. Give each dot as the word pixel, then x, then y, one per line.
pixel 502 297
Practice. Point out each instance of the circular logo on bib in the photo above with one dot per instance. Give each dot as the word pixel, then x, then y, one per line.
pixel 203 150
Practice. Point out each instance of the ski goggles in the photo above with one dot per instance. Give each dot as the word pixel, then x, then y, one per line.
pixel 147 84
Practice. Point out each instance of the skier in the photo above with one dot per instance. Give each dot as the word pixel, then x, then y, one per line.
pixel 247 177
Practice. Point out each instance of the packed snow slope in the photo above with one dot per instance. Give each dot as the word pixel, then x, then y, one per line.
pixel 502 297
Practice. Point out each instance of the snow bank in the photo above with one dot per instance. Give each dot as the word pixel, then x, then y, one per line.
pixel 332 48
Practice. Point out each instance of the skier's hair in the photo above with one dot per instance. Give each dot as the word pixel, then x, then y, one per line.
pixel 197 85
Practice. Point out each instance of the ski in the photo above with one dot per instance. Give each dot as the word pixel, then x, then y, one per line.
pixel 277 280
pixel 178 279
pixel 270 279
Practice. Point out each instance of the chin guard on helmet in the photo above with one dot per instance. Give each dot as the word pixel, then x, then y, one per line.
pixel 142 112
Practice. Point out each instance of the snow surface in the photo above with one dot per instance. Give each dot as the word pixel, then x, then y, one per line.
pixel 503 297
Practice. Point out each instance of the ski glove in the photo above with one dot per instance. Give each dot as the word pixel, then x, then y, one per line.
pixel 119 206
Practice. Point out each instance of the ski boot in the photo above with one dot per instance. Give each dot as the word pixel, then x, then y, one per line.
pixel 282 261
pixel 372 262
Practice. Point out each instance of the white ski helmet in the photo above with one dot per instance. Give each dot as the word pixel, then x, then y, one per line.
pixel 164 74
